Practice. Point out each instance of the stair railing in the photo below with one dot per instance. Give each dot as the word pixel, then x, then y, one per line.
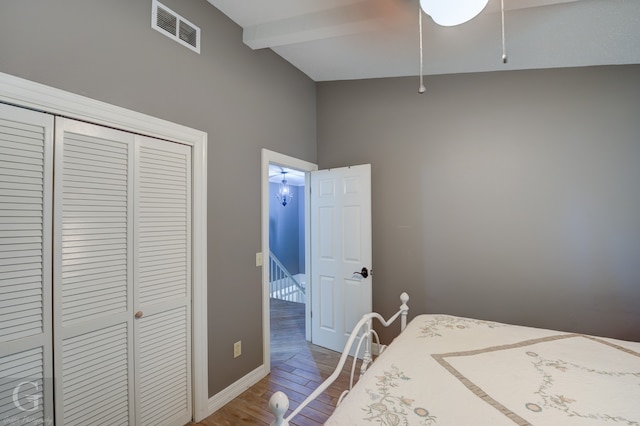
pixel 282 285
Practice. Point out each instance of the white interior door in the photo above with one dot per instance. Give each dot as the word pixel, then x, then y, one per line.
pixel 340 249
pixel 26 174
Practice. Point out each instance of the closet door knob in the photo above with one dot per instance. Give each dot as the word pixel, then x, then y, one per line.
pixel 138 314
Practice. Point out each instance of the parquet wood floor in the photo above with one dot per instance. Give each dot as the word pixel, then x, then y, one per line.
pixel 297 368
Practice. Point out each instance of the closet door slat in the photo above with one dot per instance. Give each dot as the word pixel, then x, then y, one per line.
pixel 89 377
pixel 107 157
pixel 157 193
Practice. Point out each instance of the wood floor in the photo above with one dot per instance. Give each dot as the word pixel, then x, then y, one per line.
pixel 297 368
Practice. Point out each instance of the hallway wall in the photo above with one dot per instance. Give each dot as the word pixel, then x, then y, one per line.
pixel 286 228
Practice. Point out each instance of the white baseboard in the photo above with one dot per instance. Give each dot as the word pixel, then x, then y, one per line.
pixel 223 397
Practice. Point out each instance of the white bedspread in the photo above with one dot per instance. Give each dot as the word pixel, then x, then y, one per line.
pixel 445 370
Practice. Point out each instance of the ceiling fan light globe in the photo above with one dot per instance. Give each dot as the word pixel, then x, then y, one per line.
pixel 449 13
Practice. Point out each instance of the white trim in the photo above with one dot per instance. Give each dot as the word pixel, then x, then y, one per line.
pixel 307 167
pixel 20 92
pixel 232 391
pixel 200 338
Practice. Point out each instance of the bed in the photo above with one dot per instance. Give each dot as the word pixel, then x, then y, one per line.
pixel 448 370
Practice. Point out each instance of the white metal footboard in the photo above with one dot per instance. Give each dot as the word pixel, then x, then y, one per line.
pixel 364 334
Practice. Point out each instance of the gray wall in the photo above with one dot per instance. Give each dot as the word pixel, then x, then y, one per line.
pixel 510 196
pixel 244 100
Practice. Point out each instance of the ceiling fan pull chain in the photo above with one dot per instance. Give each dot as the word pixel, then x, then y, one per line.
pixel 504 45
pixel 421 89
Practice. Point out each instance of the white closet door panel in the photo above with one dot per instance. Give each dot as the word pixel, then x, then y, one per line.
pixel 93 274
pixel 95 377
pixel 96 173
pixel 163 283
pixel 20 371
pixel 26 159
pixel 163 367
pixel 164 182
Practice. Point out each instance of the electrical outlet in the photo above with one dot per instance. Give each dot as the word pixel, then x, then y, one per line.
pixel 237 349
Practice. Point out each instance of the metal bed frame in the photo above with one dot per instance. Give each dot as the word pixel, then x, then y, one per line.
pixel 364 334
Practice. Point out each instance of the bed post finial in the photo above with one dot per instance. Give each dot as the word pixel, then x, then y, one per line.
pixel 404 298
pixel 278 405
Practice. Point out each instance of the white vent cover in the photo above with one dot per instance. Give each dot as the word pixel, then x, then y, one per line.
pixel 175 26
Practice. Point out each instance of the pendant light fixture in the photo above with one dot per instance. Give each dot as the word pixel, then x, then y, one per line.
pixel 284 194
pixel 452 12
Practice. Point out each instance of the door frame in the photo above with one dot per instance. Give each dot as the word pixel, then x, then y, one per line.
pixel 272 157
pixel 24 93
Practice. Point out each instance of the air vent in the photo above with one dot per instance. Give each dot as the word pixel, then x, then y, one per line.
pixel 175 26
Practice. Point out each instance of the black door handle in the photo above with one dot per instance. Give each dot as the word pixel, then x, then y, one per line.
pixel 364 272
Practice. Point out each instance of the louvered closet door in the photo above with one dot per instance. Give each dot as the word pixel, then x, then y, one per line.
pixel 93 275
pixel 25 266
pixel 122 279
pixel 163 283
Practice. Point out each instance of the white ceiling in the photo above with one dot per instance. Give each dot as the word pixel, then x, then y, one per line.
pixel 355 39
pixel 294 177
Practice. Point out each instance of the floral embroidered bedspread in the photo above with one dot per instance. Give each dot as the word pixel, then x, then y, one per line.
pixel 446 370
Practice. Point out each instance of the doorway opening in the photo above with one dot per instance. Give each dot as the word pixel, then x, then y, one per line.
pixel 337 216
pixel 286 255
pixel 288 288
